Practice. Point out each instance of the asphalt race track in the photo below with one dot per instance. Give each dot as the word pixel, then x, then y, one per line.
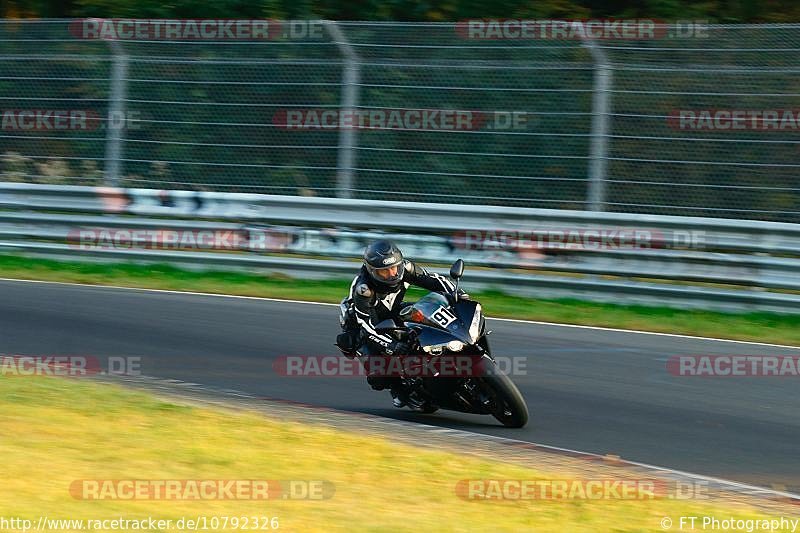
pixel 591 390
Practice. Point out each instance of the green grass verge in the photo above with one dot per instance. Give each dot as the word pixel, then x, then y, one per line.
pixel 67 430
pixel 763 327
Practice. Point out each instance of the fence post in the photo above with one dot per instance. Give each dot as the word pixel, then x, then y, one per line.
pixel 601 117
pixel 116 113
pixel 346 161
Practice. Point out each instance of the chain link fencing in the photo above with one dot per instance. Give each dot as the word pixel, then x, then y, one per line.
pixel 688 123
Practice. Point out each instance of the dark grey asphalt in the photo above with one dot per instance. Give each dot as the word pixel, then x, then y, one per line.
pixel 591 390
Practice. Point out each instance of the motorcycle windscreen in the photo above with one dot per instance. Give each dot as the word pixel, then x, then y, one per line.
pixel 434 310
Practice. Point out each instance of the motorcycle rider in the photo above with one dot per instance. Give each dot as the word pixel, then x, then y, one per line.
pixel 376 294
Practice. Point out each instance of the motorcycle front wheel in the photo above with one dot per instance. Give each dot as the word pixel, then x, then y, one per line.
pixel 510 407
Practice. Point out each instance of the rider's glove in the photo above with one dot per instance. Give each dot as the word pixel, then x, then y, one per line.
pixel 398 348
pixel 462 295
pixel 407 336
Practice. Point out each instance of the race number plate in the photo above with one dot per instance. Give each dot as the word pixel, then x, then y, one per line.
pixel 443 316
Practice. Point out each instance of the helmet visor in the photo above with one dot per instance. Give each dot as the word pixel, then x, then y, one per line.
pixel 391 274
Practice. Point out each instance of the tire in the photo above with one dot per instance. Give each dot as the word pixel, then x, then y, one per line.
pixel 512 410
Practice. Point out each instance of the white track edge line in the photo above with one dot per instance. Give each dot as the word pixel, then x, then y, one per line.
pixel 391 421
pixel 537 322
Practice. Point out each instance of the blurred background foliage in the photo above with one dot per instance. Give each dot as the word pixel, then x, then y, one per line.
pixel 721 11
pixel 180 142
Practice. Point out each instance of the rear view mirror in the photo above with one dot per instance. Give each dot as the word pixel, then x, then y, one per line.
pixel 457 270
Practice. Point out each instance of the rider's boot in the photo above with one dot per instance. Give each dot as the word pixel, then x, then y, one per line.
pixel 398 397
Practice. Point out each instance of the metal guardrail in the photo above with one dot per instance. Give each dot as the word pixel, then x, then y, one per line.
pixel 683 121
pixel 682 261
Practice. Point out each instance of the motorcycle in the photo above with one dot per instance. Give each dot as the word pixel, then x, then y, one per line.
pixel 450 365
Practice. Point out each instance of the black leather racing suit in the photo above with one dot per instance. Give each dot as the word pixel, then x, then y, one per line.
pixel 371 304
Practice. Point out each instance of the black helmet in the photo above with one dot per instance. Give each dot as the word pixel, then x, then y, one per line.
pixel 384 262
